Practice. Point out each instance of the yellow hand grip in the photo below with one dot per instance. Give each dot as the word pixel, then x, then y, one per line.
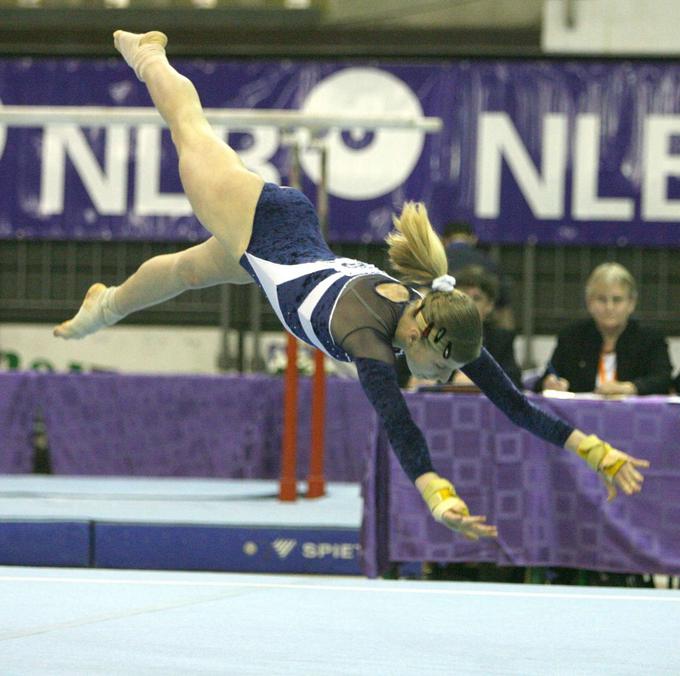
pixel 601 456
pixel 440 496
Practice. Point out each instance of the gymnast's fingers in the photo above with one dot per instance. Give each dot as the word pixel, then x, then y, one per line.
pixel 637 478
pixel 635 474
pixel 452 520
pixel 473 527
pixel 624 483
pixel 486 532
pixel 457 521
pixel 638 462
pixel 634 477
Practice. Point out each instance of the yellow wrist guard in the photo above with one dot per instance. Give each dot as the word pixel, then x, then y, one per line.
pixel 440 496
pixel 600 456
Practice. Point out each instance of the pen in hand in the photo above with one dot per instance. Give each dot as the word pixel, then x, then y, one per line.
pixel 552 380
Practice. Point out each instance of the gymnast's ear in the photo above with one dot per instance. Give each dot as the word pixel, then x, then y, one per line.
pixel 412 331
pixel 408 332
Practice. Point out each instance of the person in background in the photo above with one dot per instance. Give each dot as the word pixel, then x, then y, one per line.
pixel 460 242
pixel 483 287
pixel 610 353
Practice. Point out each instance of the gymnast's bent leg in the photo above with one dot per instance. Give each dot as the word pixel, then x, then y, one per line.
pixel 157 280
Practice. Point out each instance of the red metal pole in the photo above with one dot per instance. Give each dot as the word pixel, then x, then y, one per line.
pixel 288 483
pixel 315 479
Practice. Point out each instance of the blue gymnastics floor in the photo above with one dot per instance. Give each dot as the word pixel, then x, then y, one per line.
pixel 72 622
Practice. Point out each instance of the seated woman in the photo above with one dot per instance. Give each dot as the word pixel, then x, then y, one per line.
pixel 610 353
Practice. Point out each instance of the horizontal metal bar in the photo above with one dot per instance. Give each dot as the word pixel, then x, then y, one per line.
pixel 101 116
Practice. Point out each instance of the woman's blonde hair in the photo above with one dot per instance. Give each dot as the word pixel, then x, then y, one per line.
pixel 611 273
pixel 418 255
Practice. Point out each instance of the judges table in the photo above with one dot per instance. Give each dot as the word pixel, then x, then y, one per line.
pixel 550 508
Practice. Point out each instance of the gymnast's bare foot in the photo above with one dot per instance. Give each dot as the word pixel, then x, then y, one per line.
pixel 94 314
pixel 139 49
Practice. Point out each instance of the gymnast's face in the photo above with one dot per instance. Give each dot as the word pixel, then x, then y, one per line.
pixel 426 363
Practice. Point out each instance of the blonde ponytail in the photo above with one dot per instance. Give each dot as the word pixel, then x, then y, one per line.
pixel 448 318
pixel 414 248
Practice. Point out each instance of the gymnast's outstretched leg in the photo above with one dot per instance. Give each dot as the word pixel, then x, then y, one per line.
pixel 222 192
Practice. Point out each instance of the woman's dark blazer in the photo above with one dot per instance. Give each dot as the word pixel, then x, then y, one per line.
pixel 641 357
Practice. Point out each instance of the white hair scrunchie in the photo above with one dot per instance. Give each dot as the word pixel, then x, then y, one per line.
pixel 444 283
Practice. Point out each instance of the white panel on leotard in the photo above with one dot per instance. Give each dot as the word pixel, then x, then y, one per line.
pixel 271 275
pixel 307 307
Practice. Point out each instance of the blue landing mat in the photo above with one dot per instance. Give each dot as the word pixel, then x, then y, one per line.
pixel 234 549
pixel 175 524
pixel 45 543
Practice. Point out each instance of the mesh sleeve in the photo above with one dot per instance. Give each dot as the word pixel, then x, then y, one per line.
pixel 492 380
pixel 364 322
pixel 379 381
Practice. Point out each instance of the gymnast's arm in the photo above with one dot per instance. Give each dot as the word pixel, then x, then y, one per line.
pixel 370 346
pixel 493 381
pixel 365 335
pixel 617 469
pixel 379 381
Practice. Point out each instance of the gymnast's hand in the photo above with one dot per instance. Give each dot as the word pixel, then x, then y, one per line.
pixel 472 527
pixel 617 469
pixel 450 510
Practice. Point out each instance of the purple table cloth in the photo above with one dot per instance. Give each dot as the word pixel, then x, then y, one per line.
pixel 193 426
pixel 138 425
pixel 549 507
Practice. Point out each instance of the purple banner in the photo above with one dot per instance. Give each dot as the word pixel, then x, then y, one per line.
pixel 560 152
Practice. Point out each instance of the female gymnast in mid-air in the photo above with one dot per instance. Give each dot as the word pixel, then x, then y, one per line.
pixel 349 309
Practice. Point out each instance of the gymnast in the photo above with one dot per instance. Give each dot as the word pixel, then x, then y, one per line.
pixel 350 310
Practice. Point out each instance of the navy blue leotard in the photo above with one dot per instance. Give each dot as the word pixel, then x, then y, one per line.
pixel 333 304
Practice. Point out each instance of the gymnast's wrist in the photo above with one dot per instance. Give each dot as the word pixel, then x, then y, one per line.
pixel 574 441
pixel 439 495
pixel 424 479
pixel 593 450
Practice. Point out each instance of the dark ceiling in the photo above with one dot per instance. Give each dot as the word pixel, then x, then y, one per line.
pixel 319 30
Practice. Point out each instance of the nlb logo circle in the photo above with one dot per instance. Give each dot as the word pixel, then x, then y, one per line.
pixel 365 164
